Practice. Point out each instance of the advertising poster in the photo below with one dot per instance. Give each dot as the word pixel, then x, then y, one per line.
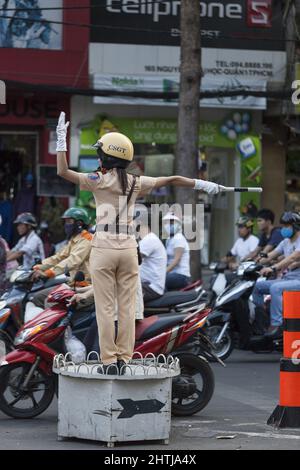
pixel 24 24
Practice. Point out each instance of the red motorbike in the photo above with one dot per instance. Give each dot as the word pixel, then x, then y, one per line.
pixel 28 385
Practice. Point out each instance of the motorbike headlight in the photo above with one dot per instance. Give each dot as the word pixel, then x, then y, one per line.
pixel 240 270
pixel 28 333
pixel 2 304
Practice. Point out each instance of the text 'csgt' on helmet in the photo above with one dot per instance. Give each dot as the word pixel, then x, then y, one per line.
pixel 116 145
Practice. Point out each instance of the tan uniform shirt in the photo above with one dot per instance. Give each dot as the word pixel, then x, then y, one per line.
pixel 110 201
pixel 74 256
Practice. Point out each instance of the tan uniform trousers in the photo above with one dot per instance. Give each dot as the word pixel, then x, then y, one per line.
pixel 115 272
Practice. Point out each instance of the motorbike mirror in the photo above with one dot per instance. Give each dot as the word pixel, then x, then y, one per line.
pixel 67 272
pixel 259 267
pixel 221 267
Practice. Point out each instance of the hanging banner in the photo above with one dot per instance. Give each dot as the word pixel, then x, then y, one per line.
pixel 169 83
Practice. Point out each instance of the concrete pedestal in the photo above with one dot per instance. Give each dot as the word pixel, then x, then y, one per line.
pixel 135 406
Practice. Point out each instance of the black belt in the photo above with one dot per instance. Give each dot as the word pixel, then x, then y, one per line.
pixel 115 229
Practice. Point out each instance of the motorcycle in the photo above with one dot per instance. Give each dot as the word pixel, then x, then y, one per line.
pixel 218 281
pixel 176 301
pixel 28 385
pixel 14 300
pixel 234 308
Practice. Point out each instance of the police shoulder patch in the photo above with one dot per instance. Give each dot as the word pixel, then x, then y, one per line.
pixel 93 176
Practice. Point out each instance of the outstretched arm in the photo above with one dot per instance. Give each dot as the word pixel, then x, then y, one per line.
pixel 61 148
pixel 200 185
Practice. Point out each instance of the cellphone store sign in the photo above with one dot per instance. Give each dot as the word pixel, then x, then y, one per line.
pixel 244 24
pixel 159 9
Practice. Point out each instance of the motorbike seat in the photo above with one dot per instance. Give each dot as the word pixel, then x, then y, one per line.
pixel 152 326
pixel 172 298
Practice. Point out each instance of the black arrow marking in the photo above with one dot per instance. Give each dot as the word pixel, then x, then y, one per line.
pixel 132 408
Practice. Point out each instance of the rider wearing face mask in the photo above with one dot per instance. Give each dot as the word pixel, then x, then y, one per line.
pixel 73 257
pixel 178 253
pixel 288 267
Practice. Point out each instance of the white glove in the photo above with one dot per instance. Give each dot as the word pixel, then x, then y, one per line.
pixel 61 133
pixel 207 186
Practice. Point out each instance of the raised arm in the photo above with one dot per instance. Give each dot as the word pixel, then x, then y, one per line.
pixel 61 148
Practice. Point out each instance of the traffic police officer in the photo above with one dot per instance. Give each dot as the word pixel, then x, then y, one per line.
pixel 114 260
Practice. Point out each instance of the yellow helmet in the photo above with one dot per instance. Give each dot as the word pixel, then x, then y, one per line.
pixel 116 145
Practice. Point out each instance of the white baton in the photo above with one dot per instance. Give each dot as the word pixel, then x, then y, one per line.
pixel 239 190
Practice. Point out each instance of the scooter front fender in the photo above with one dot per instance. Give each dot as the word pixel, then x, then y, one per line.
pixel 217 317
pixel 22 355
pixel 19 355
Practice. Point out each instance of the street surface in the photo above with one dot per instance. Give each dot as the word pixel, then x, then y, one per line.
pixel 246 393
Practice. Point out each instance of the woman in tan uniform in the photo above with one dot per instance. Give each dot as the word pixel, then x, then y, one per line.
pixel 114 260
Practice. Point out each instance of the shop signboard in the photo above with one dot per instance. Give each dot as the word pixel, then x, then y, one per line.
pixel 239 24
pixel 242 42
pixel 170 83
pixel 31 24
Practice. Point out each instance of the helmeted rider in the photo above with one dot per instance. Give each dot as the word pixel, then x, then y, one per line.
pixel 288 267
pixel 73 257
pixel 246 242
pixel 30 246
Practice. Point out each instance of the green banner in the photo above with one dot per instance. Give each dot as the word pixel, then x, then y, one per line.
pixel 225 133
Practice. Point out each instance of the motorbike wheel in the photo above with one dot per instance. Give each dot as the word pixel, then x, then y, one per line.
pixel 196 372
pixel 19 402
pixel 224 348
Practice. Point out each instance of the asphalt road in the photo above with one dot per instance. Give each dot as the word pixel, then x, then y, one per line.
pixel 246 393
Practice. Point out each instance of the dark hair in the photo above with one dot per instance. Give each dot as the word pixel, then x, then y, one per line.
pixel 109 162
pixel 266 214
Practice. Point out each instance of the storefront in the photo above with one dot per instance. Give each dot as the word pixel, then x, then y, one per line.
pixel 28 181
pixel 37 52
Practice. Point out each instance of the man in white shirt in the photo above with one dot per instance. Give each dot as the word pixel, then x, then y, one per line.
pixel 154 262
pixel 245 244
pixel 30 246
